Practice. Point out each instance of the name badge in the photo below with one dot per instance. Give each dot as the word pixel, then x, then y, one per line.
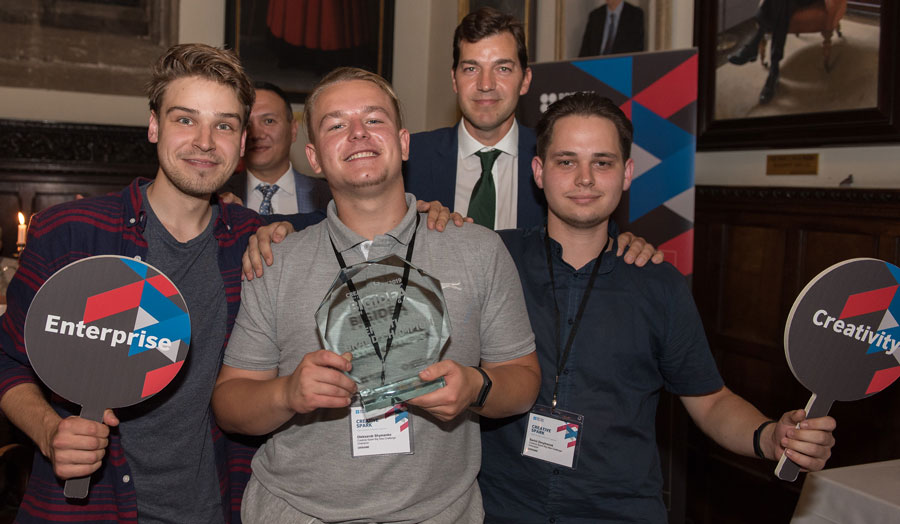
pixel 389 433
pixel 553 435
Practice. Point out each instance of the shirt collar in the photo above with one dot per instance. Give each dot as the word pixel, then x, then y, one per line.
pixel 136 216
pixel 285 182
pixel 468 145
pixel 617 11
pixel 607 258
pixel 345 238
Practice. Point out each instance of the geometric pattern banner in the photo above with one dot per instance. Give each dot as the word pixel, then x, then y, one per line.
pixel 658 92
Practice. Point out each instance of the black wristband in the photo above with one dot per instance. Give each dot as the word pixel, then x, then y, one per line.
pixel 756 436
pixel 485 388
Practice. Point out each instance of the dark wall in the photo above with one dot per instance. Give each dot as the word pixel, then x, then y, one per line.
pixel 43 164
pixel 754 251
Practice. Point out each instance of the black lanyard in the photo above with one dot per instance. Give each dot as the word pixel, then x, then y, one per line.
pixel 562 355
pixel 399 305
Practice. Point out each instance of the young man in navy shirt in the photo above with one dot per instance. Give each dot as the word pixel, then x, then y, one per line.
pixel 609 337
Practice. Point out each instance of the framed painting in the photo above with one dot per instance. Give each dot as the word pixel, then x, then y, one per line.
pixel 574 21
pixel 836 86
pixel 86 46
pixel 293 44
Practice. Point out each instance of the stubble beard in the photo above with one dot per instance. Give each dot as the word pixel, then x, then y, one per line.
pixel 195 185
pixel 590 222
pixel 575 221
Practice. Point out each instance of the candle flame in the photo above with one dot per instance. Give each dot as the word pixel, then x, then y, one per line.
pixel 21 218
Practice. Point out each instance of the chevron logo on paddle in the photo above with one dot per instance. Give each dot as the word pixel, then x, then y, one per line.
pixel 842 336
pixel 106 332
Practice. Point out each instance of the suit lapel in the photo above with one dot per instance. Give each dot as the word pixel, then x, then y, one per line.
pixel 444 170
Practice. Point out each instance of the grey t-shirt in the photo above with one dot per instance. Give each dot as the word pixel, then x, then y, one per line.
pixel 307 462
pixel 167 438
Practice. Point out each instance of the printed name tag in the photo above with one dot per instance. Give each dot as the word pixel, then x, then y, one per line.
pixel 387 434
pixel 553 435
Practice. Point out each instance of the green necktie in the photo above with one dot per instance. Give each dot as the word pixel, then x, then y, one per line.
pixel 483 202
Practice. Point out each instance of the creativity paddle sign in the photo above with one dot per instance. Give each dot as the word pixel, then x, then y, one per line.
pixel 842 338
pixel 106 332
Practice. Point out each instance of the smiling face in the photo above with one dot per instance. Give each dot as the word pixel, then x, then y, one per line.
pixel 584 173
pixel 269 137
pixel 198 135
pixel 355 140
pixel 488 81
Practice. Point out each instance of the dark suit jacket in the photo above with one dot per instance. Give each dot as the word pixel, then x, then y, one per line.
pixel 430 172
pixel 312 193
pixel 629 34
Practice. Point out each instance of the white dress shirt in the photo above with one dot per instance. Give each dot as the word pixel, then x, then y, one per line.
pixel 610 29
pixel 284 201
pixel 505 172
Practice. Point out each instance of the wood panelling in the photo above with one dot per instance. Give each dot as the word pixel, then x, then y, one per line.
pixel 755 249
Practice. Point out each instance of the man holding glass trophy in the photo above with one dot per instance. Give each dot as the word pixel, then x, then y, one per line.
pixel 423 332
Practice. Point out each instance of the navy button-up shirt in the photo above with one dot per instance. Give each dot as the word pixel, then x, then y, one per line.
pixel 640 333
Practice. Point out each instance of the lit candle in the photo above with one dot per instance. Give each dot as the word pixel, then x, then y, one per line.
pixel 21 238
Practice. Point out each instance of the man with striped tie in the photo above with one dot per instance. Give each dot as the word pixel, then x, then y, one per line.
pixel 270 184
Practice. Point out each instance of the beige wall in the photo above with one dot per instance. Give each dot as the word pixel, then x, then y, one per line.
pixel 422 59
pixel 423 54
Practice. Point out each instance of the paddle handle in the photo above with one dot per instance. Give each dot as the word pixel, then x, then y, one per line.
pixel 78 488
pixel 815 408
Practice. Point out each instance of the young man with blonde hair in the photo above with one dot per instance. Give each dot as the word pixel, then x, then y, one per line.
pixel 276 379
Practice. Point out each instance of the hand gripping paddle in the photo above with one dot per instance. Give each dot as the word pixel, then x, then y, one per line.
pixel 106 332
pixel 842 338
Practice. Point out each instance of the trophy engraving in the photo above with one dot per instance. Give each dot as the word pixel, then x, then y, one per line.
pixel 392 318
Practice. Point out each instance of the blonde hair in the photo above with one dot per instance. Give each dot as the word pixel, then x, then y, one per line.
pixel 347 74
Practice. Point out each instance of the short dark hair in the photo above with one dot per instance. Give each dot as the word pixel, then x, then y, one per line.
pixel 269 86
pixel 585 103
pixel 218 65
pixel 486 22
pixel 348 74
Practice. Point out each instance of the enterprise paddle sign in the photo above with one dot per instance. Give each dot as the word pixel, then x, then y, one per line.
pixel 842 336
pixel 106 332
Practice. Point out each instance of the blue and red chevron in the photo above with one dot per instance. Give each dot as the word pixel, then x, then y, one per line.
pixel 400 414
pixel 162 318
pixel 886 301
pixel 658 91
pixel 571 433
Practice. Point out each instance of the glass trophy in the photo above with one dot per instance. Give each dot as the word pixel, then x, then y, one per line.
pixel 392 330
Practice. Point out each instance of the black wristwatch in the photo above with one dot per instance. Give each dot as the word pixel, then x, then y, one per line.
pixel 485 389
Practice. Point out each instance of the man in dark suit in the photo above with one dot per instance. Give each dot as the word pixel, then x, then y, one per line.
pixel 490 72
pixel 773 16
pixel 270 184
pixel 617 27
